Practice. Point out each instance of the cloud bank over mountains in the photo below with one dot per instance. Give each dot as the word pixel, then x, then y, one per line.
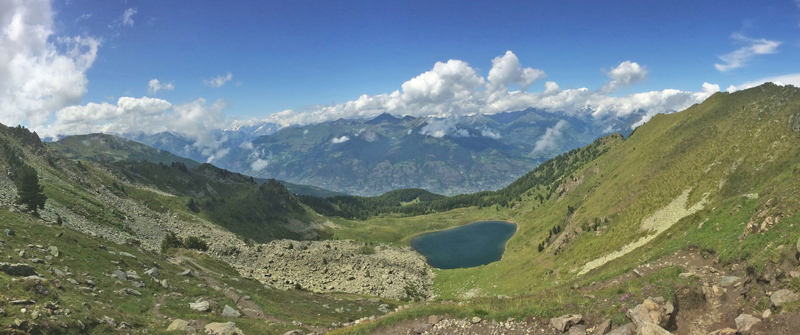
pixel 455 88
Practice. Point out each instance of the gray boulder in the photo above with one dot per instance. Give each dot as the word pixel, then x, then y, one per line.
pixel 54 251
pixel 577 330
pixel 218 328
pixel 200 306
pixel 118 274
pixel 18 269
pixel 562 323
pixel 152 272
pixel 230 312
pixel 728 281
pixel 129 291
pixel 132 275
pixel 178 324
pixel 603 328
pixel 745 322
pixel 782 297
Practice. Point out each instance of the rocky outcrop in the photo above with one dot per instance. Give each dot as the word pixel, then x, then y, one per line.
pixel 344 266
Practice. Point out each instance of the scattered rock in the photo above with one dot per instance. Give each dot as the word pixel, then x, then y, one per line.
pixel 122 253
pixel 118 274
pixel 187 273
pixel 294 332
pixel 129 291
pixel 626 329
pixel 651 329
pixel 603 328
pixel 577 330
pixel 178 324
pixel 476 319
pixel 562 323
pixel 218 328
pixel 164 283
pixel 728 281
pixel 230 312
pixel 433 319
pixel 767 314
pixel 132 275
pixel 783 297
pixel 152 272
pixel 11 232
pixel 744 322
pixel 18 269
pixel 200 306
pixel 54 251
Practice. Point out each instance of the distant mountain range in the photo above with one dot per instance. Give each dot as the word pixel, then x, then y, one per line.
pixel 373 156
pixel 111 148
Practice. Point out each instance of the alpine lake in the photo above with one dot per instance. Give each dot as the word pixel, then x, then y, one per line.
pixel 467 246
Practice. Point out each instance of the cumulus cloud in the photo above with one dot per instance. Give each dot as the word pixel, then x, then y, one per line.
pixel 454 80
pixel 550 138
pixel 156 86
pixel 506 69
pixel 789 79
pixel 337 140
pixel 626 74
pixel 39 72
pixel 454 89
pixel 741 56
pixel 127 17
pixel 441 128
pixel 218 81
pixel 490 134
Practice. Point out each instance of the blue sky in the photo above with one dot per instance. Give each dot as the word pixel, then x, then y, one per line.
pixel 317 56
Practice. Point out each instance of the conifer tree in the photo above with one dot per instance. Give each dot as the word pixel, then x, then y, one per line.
pixel 30 193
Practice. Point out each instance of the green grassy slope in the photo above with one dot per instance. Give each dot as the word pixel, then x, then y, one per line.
pixel 111 148
pixel 725 151
pixel 104 147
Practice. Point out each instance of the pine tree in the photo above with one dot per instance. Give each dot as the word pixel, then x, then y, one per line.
pixel 30 192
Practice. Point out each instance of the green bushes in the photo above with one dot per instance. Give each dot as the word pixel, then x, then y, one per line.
pixel 191 242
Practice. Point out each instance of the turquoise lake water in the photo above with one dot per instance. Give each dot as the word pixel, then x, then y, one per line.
pixel 475 244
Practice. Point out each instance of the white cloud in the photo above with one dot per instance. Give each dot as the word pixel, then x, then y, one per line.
pixel 490 134
pixel 741 56
pixel 626 74
pixel 550 138
pixel 218 81
pixel 246 145
pixel 83 17
pixel 789 79
pixel 337 140
pixel 506 69
pixel 454 89
pixel 453 80
pixel 441 128
pixel 156 86
pixel 39 72
pixel 259 164
pixel 127 17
